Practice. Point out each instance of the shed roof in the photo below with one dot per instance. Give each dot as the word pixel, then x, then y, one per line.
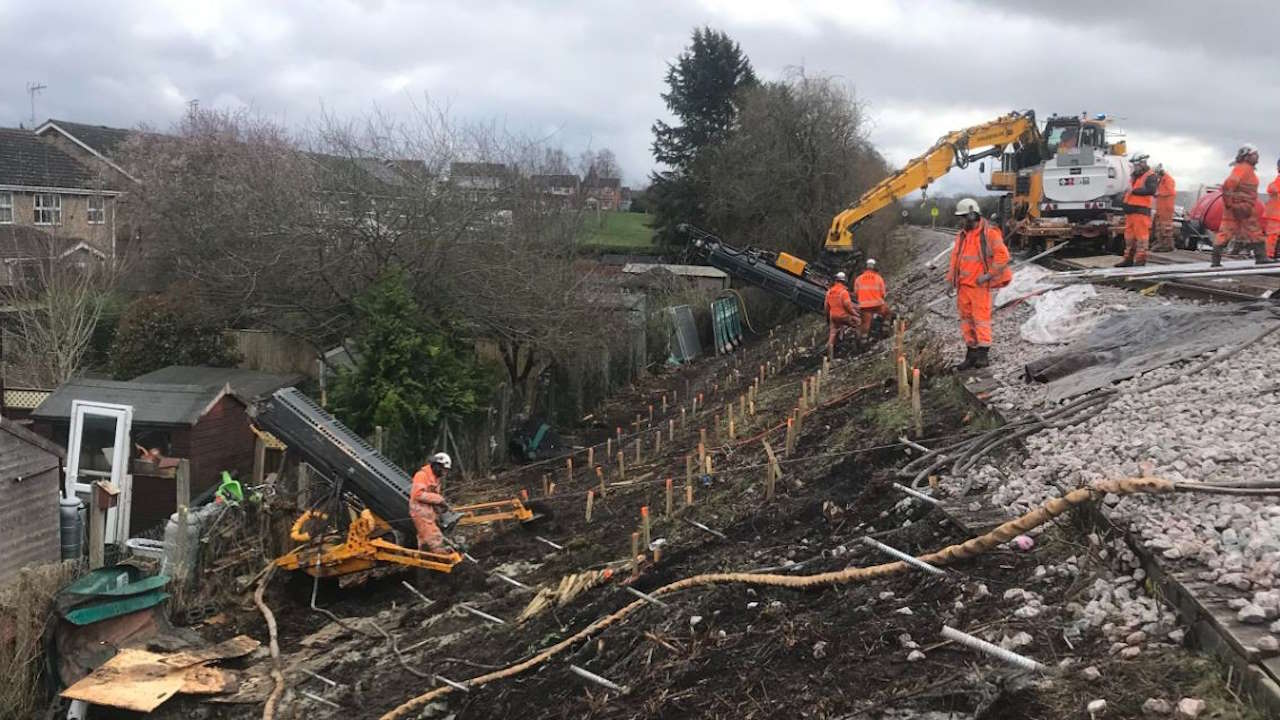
pixel 153 403
pixel 25 435
pixel 248 384
pixel 702 271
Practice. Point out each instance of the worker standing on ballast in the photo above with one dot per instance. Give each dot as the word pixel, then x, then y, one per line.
pixel 1240 221
pixel 1166 194
pixel 840 311
pixel 979 266
pixel 426 498
pixel 1138 202
pixel 870 290
pixel 1272 216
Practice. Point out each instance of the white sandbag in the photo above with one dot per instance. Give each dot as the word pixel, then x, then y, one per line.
pixel 1058 318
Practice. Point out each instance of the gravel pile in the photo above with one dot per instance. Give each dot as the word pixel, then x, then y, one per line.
pixel 1221 424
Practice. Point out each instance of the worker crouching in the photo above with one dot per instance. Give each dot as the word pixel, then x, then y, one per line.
pixel 870 289
pixel 1272 216
pixel 979 266
pixel 425 499
pixel 840 311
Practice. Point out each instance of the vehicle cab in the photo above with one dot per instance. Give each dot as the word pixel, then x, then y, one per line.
pixel 1086 169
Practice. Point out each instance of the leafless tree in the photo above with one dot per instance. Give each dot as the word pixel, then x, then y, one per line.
pixel 799 155
pixel 600 163
pixel 285 232
pixel 55 297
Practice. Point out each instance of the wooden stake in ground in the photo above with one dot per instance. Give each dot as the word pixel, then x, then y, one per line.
pixel 622 468
pixel 635 547
pixel 608 449
pixel 568 471
pixel 916 409
pixel 657 443
pixel 903 390
pixel 671 429
pixel 742 405
pixel 688 469
pixel 639 447
pixel 644 525
pixel 551 489
pixel 664 403
pixel 706 462
pixel 591 456
pixel 732 434
pixel 790 446
pixel 591 498
pixel 682 418
pixel 669 483
pixel 702 452
pixel 600 477
pixel 546 484
pixel 771 472
pixel 650 413
pixel 688 493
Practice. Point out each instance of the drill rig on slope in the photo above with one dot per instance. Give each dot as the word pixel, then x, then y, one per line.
pixel 370 500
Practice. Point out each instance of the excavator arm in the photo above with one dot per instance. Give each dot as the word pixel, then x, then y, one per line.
pixel 952 150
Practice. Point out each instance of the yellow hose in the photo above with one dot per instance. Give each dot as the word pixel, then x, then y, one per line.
pixel 963 551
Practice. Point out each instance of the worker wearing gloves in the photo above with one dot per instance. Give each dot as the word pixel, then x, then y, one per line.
pixel 1239 199
pixel 1166 192
pixel 870 289
pixel 1273 216
pixel 840 311
pixel 979 266
pixel 1137 211
pixel 425 499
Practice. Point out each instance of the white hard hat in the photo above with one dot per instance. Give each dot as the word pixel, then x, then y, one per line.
pixel 443 460
pixel 966 206
pixel 1139 157
pixel 1246 149
pixel 871 262
pixel 841 276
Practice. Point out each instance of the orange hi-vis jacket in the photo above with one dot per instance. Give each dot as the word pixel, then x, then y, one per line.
pixel 870 289
pixel 1166 192
pixel 1272 213
pixel 838 303
pixel 1141 195
pixel 977 252
pixel 1240 191
pixel 425 492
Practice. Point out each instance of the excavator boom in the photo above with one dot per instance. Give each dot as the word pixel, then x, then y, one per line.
pixel 952 150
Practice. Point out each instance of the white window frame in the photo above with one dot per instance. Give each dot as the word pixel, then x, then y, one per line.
pixel 118 517
pixel 100 211
pixel 54 211
pixel 6 203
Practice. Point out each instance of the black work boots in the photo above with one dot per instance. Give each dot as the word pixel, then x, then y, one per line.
pixel 975 357
pixel 1260 254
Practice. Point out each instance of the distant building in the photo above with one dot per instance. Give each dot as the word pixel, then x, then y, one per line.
pixel 602 193
pixel 481 180
pixel 624 199
pixel 64 197
pixel 563 189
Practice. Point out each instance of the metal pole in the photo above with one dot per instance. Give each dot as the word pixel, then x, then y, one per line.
pixel 995 651
pixel 916 494
pixel 908 559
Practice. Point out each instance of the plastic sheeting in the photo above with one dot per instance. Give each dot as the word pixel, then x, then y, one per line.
pixel 1058 318
pixel 1128 344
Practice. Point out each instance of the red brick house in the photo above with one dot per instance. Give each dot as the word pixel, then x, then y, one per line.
pixel 602 193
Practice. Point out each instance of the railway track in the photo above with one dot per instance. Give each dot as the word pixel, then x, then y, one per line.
pixel 1233 289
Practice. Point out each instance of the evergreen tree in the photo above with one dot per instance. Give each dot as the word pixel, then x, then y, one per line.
pixel 703 86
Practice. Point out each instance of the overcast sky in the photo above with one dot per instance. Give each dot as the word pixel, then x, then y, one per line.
pixel 1189 81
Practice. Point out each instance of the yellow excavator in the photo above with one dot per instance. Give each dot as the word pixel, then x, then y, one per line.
pixel 1058 183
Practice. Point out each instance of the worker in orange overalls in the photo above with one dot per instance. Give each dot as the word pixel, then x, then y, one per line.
pixel 1166 192
pixel 1239 201
pixel 1272 216
pixel 425 497
pixel 870 289
pixel 1137 211
pixel 840 311
pixel 979 266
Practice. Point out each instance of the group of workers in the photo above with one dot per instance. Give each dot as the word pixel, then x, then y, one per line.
pixel 1155 189
pixel 980 265
pixel 870 290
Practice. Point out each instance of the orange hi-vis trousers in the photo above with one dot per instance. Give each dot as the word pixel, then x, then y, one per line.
pixel 974 306
pixel 1137 236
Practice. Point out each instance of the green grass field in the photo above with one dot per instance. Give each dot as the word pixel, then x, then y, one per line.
pixel 619 229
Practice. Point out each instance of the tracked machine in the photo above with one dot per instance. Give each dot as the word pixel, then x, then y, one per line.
pixel 363 523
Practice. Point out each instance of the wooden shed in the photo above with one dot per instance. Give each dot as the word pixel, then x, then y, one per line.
pixel 184 412
pixel 30 485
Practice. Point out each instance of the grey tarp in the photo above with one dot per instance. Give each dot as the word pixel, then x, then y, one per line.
pixel 1133 342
